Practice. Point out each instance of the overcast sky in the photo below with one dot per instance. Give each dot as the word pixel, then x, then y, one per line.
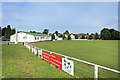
pixel 77 17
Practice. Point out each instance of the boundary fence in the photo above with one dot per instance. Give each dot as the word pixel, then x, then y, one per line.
pixel 96 66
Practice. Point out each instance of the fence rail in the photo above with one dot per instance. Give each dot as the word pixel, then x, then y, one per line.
pixel 96 66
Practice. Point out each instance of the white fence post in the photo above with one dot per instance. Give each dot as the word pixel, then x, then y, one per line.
pixel 96 72
pixel 41 50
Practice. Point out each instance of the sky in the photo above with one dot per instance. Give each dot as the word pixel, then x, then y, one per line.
pixel 77 17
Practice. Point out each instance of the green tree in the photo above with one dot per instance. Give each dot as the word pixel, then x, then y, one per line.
pixel 34 32
pixel 105 34
pixel 12 31
pixel 61 35
pixel 56 32
pixel 92 34
pixel 111 30
pixel 69 37
pixel 31 32
pixel 83 36
pixel 119 36
pixel 3 31
pixel 66 32
pixel 52 36
pixel 46 31
pixel 8 31
pixel 115 35
pixel 76 36
pixel 86 37
pixel 90 37
pixel 96 36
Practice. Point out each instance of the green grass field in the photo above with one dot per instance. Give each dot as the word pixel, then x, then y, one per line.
pixel 18 62
pixel 101 52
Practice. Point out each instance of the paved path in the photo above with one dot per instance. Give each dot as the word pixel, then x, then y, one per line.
pixel 3 42
pixel 1 37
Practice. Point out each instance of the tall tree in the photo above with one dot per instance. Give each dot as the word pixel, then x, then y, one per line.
pixel 8 31
pixel 12 31
pixel 34 32
pixel 96 36
pixel 56 32
pixel 52 36
pixel 87 33
pixel 30 31
pixel 66 32
pixel 69 37
pixel 111 30
pixel 92 34
pixel 46 31
pixel 119 36
pixel 3 31
pixel 115 35
pixel 105 34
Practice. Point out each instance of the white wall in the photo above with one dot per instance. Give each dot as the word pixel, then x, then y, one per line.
pixel 66 36
pixel 24 37
pixel 55 36
pixel 59 38
pixel 72 36
pixel 12 38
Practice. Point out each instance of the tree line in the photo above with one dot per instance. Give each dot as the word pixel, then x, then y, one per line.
pixel 105 34
pixel 109 34
pixel 92 36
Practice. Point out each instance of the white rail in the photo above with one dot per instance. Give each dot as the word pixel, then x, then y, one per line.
pixel 85 62
pixel 95 65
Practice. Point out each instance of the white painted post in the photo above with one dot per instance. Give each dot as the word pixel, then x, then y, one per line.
pixel 65 57
pixel 96 72
pixel 41 51
pixel 29 47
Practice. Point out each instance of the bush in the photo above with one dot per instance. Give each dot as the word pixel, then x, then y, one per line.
pixel 90 37
pixel 76 36
pixel 61 36
pixel 83 37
